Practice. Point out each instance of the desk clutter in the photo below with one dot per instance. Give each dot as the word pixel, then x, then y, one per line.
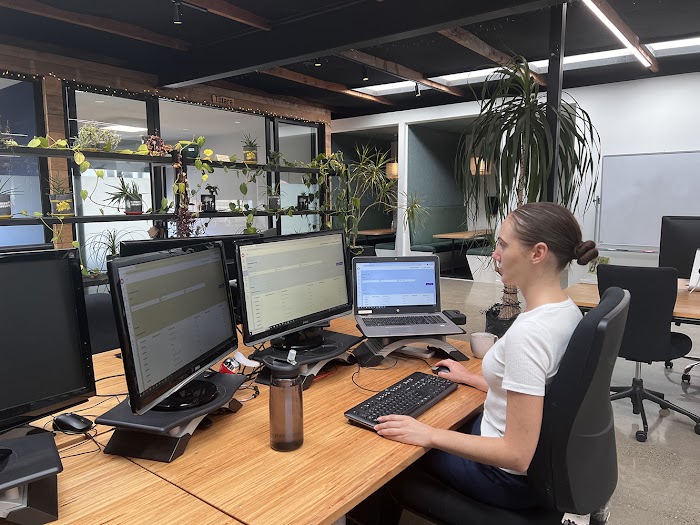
pixel 162 401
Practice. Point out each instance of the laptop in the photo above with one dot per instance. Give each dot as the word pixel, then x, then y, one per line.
pixel 694 281
pixel 399 297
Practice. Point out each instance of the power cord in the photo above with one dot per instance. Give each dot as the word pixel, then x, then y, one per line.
pixel 396 361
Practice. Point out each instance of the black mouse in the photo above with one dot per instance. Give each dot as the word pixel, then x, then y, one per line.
pixel 438 369
pixel 71 422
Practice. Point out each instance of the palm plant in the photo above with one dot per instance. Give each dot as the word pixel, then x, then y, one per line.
pixel 511 137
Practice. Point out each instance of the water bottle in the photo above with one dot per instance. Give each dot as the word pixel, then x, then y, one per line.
pixel 286 410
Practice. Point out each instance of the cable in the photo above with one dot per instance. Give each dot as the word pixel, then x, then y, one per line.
pixel 108 377
pixel 396 361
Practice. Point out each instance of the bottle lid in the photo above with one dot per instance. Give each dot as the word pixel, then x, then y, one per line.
pixel 281 368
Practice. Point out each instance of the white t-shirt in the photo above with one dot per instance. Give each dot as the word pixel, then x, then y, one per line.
pixel 526 359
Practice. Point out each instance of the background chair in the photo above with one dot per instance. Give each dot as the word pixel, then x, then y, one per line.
pixel 648 335
pixel 101 322
pixel 575 464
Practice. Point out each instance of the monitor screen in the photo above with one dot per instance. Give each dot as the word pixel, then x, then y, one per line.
pixel 174 318
pixel 398 282
pixel 680 238
pixel 290 282
pixel 45 358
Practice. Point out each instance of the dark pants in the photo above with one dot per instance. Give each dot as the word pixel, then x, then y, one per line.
pixel 484 483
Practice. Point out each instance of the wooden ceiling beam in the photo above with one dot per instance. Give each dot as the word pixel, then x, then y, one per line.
pixel 115 27
pixel 398 70
pixel 626 31
pixel 474 43
pixel 232 12
pixel 300 78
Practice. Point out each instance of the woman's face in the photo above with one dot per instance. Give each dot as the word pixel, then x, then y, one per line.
pixel 511 256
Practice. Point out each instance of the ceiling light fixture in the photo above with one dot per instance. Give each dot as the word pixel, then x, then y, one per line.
pixel 177 13
pixel 365 74
pixel 317 63
pixel 417 90
pixel 125 129
pixel 615 31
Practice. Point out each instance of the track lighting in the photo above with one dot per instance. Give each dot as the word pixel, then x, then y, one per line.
pixel 365 74
pixel 417 90
pixel 177 14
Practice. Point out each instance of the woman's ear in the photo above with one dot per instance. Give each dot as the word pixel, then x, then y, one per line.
pixel 539 252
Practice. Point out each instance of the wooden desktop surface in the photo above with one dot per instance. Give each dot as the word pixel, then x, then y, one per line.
pixel 376 232
pixel 456 236
pixel 231 467
pixel 687 304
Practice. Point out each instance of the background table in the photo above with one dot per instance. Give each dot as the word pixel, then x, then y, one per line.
pixel 460 236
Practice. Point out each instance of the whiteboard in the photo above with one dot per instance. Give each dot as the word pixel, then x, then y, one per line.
pixel 637 190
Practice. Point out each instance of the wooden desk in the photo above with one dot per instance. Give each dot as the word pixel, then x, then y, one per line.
pixel 686 309
pixel 376 232
pixel 231 466
pixel 460 236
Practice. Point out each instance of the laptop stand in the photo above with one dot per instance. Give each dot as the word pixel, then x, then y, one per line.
pixel 373 350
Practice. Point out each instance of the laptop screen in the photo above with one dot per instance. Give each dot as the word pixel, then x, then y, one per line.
pixel 384 283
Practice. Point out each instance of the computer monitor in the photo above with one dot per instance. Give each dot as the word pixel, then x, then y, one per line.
pixel 175 319
pixel 45 361
pixel 680 238
pixel 26 247
pixel 289 283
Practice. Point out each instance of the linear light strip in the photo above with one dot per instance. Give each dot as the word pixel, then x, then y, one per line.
pixel 615 31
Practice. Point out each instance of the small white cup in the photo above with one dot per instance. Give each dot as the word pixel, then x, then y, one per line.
pixel 481 342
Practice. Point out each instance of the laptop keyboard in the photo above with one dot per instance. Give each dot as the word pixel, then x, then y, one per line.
pixel 403 320
pixel 411 396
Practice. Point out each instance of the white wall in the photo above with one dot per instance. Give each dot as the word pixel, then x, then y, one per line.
pixel 640 116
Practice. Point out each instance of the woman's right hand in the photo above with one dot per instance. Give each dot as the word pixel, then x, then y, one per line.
pixel 459 374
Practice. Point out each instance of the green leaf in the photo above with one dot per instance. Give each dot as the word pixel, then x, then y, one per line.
pixel 207 168
pixel 78 157
pixel 44 142
pixel 244 188
pixel 100 174
pixel 201 141
pixel 290 212
pixel 83 194
pixel 61 143
pixel 84 166
pixel 102 211
pixel 75 244
pixel 198 164
pixel 34 143
pixel 37 214
pixel 142 147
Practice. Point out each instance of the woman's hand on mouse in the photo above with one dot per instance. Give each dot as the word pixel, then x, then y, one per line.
pixel 405 429
pixel 459 374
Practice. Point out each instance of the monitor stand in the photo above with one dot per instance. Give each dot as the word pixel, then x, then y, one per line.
pixel 314 348
pixel 373 350
pixel 29 463
pixel 163 435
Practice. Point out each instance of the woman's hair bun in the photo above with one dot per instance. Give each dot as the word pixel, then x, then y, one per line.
pixel 585 252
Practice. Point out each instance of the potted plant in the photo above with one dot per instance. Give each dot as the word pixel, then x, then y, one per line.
pixel 511 135
pixel 92 136
pixel 303 201
pixel 6 193
pixel 274 200
pixel 60 197
pixel 105 246
pixel 250 148
pixel 209 201
pixel 129 194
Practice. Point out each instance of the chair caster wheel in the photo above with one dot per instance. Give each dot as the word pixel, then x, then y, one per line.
pixel 641 436
pixel 668 364
pixel 697 429
pixel 685 378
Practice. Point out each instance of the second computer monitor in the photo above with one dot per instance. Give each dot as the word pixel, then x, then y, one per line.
pixel 680 238
pixel 289 283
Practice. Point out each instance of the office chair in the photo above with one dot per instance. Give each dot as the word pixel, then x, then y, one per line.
pixel 575 463
pixel 648 335
pixel 101 322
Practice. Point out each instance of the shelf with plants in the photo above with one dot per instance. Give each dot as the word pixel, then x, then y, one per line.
pixel 68 153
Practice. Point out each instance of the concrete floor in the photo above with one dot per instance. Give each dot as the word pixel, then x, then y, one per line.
pixel 658 480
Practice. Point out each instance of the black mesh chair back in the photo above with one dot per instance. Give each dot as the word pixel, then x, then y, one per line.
pixel 654 290
pixel 575 464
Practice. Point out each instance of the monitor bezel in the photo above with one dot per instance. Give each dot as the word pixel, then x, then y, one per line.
pixel 302 322
pixel 174 243
pixel 142 402
pixel 22 414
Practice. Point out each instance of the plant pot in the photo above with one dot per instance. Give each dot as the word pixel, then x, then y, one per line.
pixel 133 207
pixel 5 207
pixel 274 202
pixel 190 151
pixel 302 202
pixel 497 326
pixel 208 203
pixel 357 251
pixel 62 205
pixel 250 154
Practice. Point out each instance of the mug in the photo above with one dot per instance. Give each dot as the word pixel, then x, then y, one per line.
pixel 481 342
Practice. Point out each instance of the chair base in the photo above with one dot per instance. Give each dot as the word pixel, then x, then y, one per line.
pixel 686 371
pixel 637 394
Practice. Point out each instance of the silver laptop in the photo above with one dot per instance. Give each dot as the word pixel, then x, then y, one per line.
pixel 399 297
pixel 694 281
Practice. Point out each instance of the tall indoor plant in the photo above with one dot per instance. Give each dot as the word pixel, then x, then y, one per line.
pixel 511 136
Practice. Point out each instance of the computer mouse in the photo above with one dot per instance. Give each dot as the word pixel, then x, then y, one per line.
pixel 71 422
pixel 438 369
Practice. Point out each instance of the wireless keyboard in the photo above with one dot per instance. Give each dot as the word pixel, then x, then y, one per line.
pixel 411 396
pixel 403 320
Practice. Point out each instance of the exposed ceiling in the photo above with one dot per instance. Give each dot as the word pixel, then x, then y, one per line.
pixel 274 46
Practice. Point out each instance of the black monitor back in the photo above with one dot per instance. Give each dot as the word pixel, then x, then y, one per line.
pixel 680 238
pixel 26 247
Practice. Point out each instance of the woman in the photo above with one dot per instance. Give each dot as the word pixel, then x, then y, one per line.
pixel 536 242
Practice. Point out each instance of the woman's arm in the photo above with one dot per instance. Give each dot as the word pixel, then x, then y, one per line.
pixel 459 374
pixel 513 451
